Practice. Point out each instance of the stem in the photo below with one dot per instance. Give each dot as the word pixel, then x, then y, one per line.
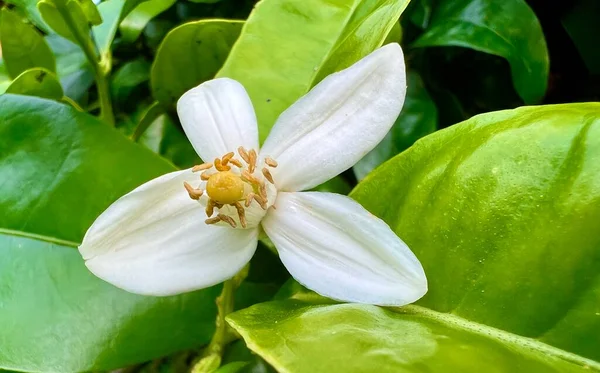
pixel 211 359
pixel 154 111
pixel 86 44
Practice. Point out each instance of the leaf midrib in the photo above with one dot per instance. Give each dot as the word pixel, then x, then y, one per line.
pixel 498 334
pixel 38 237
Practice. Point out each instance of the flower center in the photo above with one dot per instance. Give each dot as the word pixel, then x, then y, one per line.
pixel 225 187
pixel 240 194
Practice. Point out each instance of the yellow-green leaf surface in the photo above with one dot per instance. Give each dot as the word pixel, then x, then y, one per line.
pixel 133 24
pixel 37 82
pixel 189 55
pixel 287 46
pixel 59 170
pixel 506 28
pixel 503 211
pixel 65 17
pixel 23 47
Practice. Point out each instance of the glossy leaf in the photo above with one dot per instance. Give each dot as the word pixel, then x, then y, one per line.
pixel 61 169
pixel 54 13
pixel 189 55
pixel 417 119
pixel 104 33
pixel 23 47
pixel 506 28
pixel 502 211
pixel 73 68
pixel 37 82
pixel 300 337
pixel 287 46
pixel 132 26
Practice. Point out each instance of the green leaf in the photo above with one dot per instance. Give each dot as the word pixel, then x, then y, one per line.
pixel 132 26
pixel 32 12
pixel 417 119
pixel 4 78
pixel 302 337
pixel 23 47
pixel 506 28
pixel 189 55
pixel 37 82
pixel 502 211
pixel 288 46
pixel 74 71
pixel 64 16
pixel 104 33
pixel 61 169
pixel 128 77
pixel 91 12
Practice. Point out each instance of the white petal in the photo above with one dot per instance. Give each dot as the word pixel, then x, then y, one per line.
pixel 154 241
pixel 338 121
pixel 332 245
pixel 217 117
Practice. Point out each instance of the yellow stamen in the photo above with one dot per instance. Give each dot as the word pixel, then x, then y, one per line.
pixel 241 213
pixel 194 193
pixel 201 167
pixel 271 162
pixel 227 220
pixel 244 154
pixel 268 175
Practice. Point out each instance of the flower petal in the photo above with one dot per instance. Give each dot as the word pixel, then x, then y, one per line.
pixel 333 246
pixel 339 121
pixel 217 117
pixel 154 241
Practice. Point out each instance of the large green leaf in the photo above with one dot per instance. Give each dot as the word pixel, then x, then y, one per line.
pixel 506 28
pixel 287 46
pixel 23 47
pixel 104 33
pixel 37 82
pixel 503 211
pixel 60 169
pixel 417 119
pixel 189 55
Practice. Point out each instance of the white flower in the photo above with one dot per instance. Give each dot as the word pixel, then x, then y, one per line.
pixel 161 239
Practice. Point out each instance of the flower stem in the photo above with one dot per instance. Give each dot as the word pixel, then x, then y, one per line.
pixel 88 47
pixel 211 358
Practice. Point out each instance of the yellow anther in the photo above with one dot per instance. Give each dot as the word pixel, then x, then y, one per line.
pixel 271 162
pixel 221 166
pixel 227 219
pixel 235 162
pixel 241 213
pixel 227 157
pixel 205 175
pixel 225 187
pixel 252 164
pixel 244 154
pixel 194 193
pixel 201 167
pixel 268 175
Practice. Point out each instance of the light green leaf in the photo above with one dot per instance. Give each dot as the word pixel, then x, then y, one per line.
pixel 288 46
pixel 64 16
pixel 104 33
pixel 417 119
pixel 4 78
pixel 37 82
pixel 23 47
pixel 91 12
pixel 189 55
pixel 60 169
pixel 302 337
pixel 506 28
pixel 31 10
pixel 132 26
pixel 502 211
